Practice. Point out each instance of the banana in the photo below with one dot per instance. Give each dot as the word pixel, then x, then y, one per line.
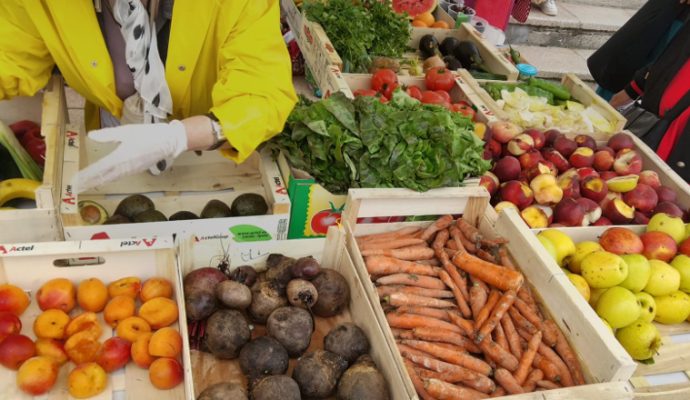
pixel 17 188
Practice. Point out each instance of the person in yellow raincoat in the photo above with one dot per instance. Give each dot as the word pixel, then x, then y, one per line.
pixel 160 76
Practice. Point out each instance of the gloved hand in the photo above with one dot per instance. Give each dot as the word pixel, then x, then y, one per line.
pixel 141 147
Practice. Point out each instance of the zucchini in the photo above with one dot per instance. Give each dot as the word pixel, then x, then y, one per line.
pixel 559 91
pixel 488 76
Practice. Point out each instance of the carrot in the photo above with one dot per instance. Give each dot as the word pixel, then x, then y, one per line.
pixel 550 370
pixel 521 323
pixel 477 296
pixel 499 392
pixel 566 352
pixel 453 279
pixel 494 243
pixel 548 385
pixel 527 358
pixel 462 324
pixel 467 244
pixel 426 374
pixel 412 280
pixel 500 338
pixel 454 357
pixel 412 253
pixel 506 261
pixel 468 230
pixel 411 321
pixel 546 351
pixel 406 299
pixel 384 291
pixel 512 336
pixel 468 377
pixel 443 336
pixel 483 315
pixel 486 256
pixel 551 332
pixel 426 311
pixel 459 299
pixel 446 391
pixel 494 275
pixel 440 224
pixel 416 381
pixel 432 262
pixel 508 381
pixel 531 381
pixel 394 243
pixel 382 265
pixel 529 314
pixel 526 295
pixel 498 354
pixel 402 333
pixel 407 231
pixel 497 313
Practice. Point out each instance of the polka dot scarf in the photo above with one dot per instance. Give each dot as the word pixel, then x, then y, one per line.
pixel 143 59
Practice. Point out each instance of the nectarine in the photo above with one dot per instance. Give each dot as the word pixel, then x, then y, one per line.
pixel 57 293
pixel 87 380
pixel 13 299
pixel 166 373
pixel 92 295
pixel 37 375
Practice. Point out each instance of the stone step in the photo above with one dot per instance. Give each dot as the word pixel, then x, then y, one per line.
pixel 577 26
pixel 632 4
pixel 554 62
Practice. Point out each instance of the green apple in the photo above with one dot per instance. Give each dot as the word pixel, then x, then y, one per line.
pixel 663 280
pixel 594 294
pixel 563 244
pixel 550 248
pixel 672 226
pixel 580 284
pixel 647 306
pixel 673 308
pixel 619 307
pixel 682 263
pixel 641 339
pixel 602 269
pixel 582 249
pixel 638 272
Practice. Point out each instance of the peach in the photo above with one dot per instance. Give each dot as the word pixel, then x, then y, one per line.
pixel 603 221
pixel 82 347
pixel 550 136
pixel 570 186
pixel 585 141
pixel 669 208
pixel 536 217
pixel 537 137
pixel 16 349
pixel 503 205
pixel 643 198
pixel 622 184
pixel 618 212
pixel 37 375
pixel 129 286
pixel 114 354
pixel 92 295
pixel 159 312
pixel 606 175
pixel 85 322
pixel 507 169
pixel 161 287
pixel 9 323
pixel 517 193
pixel 165 342
pixel 51 324
pixel 520 144
pixel 494 148
pixel 620 141
pixel 640 218
pixel 52 348
pixel 569 213
pixel 503 131
pixel 650 178
pixel 131 328
pixel 57 293
pixel 530 159
pixel 603 160
pixel 594 188
pixel 13 299
pixel 582 157
pixel 546 189
pixel 490 182
pixel 140 350
pixel 665 193
pixel 607 149
pixel 166 373
pixel 542 167
pixel 119 308
pixel 627 162
pixel 565 146
pixel 592 210
pixel 684 247
pixel 658 246
pixel 87 380
pixel 586 172
pixel 560 162
pixel 621 241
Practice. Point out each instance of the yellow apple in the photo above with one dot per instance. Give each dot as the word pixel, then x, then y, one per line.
pixel 582 249
pixel 602 269
pixel 580 284
pixel 663 280
pixel 563 243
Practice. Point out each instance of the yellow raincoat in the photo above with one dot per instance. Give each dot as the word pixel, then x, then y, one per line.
pixel 224 56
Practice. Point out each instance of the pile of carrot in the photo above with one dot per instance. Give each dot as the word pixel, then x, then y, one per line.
pixel 466 324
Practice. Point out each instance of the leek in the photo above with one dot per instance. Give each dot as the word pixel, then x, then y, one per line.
pixel 27 166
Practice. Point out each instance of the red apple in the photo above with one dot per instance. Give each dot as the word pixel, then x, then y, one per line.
pixel 620 241
pixel 503 131
pixel 594 188
pixel 565 146
pixel 592 210
pixel 490 182
pixel 658 246
pixel 627 162
pixel 669 208
pixel 618 212
pixel 530 159
pixel 556 158
pixel 586 141
pixel 665 193
pixel 537 137
pixel 643 198
pixel 603 221
pixel 550 136
pixel 640 218
pixel 520 144
pixel 586 172
pixel 582 157
pixel 9 324
pixel 684 247
pixel 620 141
pixel 507 169
pixel 517 193
pixel 569 213
pixel 650 178
pixel 495 149
pixel 16 349
pixel 603 160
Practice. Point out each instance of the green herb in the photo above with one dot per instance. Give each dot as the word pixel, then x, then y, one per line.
pixel 392 29
pixel 347 143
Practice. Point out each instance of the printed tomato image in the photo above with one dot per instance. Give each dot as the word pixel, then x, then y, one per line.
pixel 325 218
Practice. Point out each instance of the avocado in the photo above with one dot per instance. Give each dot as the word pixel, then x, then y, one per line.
pixel 183 215
pixel 133 205
pixel 117 219
pixel 216 209
pixel 150 216
pixel 249 204
pixel 92 213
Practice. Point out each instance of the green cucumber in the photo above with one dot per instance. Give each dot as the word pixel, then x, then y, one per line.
pixel 559 91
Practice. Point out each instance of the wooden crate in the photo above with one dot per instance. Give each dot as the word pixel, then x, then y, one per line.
pixel 605 363
pixel 189 184
pixel 30 265
pixel 207 370
pixel 578 89
pixel 669 376
pixel 49 109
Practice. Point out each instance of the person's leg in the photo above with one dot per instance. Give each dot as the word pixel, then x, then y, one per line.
pixel 548 7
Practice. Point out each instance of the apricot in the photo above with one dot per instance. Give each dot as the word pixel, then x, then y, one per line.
pixel 9 323
pixel 85 322
pixel 87 380
pixel 165 342
pixel 13 299
pixel 119 308
pixel 52 348
pixel 92 295
pixel 51 324
pixel 140 350
pixel 57 293
pixel 165 373
pixel 129 286
pixel 114 354
pixel 155 287
pixel 131 328
pixel 82 347
pixel 159 312
pixel 37 375
pixel 16 349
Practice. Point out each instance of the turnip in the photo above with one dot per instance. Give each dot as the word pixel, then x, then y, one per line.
pixel 263 356
pixel 301 293
pixel 276 387
pixel 334 293
pixel 362 381
pixel 233 294
pixel 292 327
pixel 347 340
pixel 305 268
pixel 226 332
pixel 245 274
pixel 266 297
pixel 317 373
pixel 223 391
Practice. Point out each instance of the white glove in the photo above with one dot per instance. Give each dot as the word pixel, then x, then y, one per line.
pixel 141 147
